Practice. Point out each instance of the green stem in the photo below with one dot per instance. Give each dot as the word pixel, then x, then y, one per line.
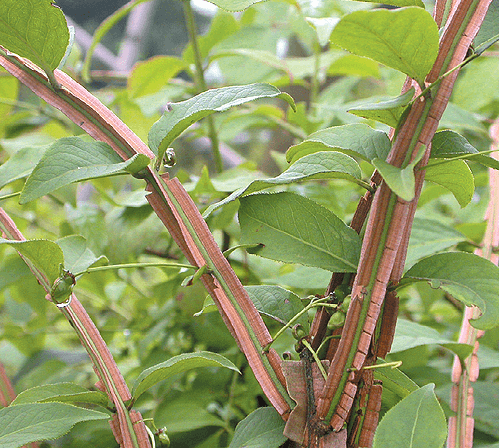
pixel 10 195
pixel 201 82
pixel 316 358
pixel 134 265
pixel 314 87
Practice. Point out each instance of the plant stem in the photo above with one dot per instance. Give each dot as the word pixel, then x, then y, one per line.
pixel 201 82
pixel 134 265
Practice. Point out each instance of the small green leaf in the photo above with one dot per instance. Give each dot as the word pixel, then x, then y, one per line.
pixel 277 303
pixel 323 26
pixel 415 422
pixel 354 139
pixel 455 175
pixel 36 30
pixel 45 255
pixel 20 165
pixel 320 165
pixel 77 256
pixel 410 334
pixel 295 229
pixel 180 116
pixel 263 428
pixel 388 112
pixel 469 278
pixel 405 39
pixel 353 65
pixel 400 180
pixel 61 392
pixel 178 364
pixel 448 144
pixel 72 159
pixel 234 5
pixel 26 423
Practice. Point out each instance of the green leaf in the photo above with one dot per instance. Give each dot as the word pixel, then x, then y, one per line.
pixel 320 165
pixel 323 26
pixel 396 384
pixel 416 422
pixel 388 112
pixel 149 76
pixel 28 423
pixel 278 303
pixel 405 39
pixel 448 144
pixel 428 237
pixel 455 175
pixel 400 180
pixel 61 392
pixel 263 428
pixel 20 165
pixel 486 412
pixel 353 65
pixel 410 334
pixel 178 364
pixel 36 30
pixel 295 229
pixel 180 116
pixel 353 139
pixel 72 159
pixel 45 255
pixel 234 5
pixel 399 3
pixel 469 278
pixel 77 256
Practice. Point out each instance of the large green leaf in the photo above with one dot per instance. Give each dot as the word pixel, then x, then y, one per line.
pixel 45 255
pixel 178 364
pixel 77 256
pixel 486 412
pixel 36 30
pixel 28 423
pixel 469 278
pixel 72 159
pixel 405 39
pixel 320 165
pixel 396 384
pixel 263 428
pixel 415 422
pixel 61 392
pixel 388 111
pixel 20 165
pixel 278 303
pixel 410 334
pixel 448 144
pixel 179 116
pixel 354 139
pixel 455 175
pixel 294 229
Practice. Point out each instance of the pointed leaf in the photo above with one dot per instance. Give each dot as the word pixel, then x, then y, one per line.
pixel 61 392
pixel 396 385
pixel 20 164
pixel 323 26
pixel 405 39
pixel 263 428
pixel 77 255
pixel 455 175
pixel 178 364
pixel 234 5
pixel 295 229
pixel 28 423
pixel 45 255
pixel 72 159
pixel 34 30
pixel 354 139
pixel 469 278
pixel 388 112
pixel 415 422
pixel 180 116
pixel 320 165
pixel 278 303
pixel 448 144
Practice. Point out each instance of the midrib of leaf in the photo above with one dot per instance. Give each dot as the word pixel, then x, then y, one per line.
pixel 415 421
pixel 320 249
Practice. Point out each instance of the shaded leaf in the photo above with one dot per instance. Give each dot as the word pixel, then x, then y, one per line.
pixel 295 229
pixel 455 175
pixel 20 165
pixel 400 3
pixel 415 422
pixel 28 423
pixel 469 278
pixel 405 39
pixel 180 116
pixel 178 364
pixel 77 256
pixel 320 165
pixel 234 5
pixel 486 412
pixel 263 428
pixel 411 334
pixel 396 384
pixel 278 303
pixel 72 159
pixel 45 255
pixel 388 112
pixel 353 65
pixel 353 139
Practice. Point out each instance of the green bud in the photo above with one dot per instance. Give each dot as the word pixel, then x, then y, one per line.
pixel 336 320
pixel 62 287
pixel 346 303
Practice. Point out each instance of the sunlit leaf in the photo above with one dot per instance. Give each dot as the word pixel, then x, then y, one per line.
pixel 77 254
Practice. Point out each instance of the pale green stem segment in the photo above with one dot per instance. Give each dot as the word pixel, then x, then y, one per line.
pixel 316 358
pixel 134 265
pixel 392 365
pixel 11 195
